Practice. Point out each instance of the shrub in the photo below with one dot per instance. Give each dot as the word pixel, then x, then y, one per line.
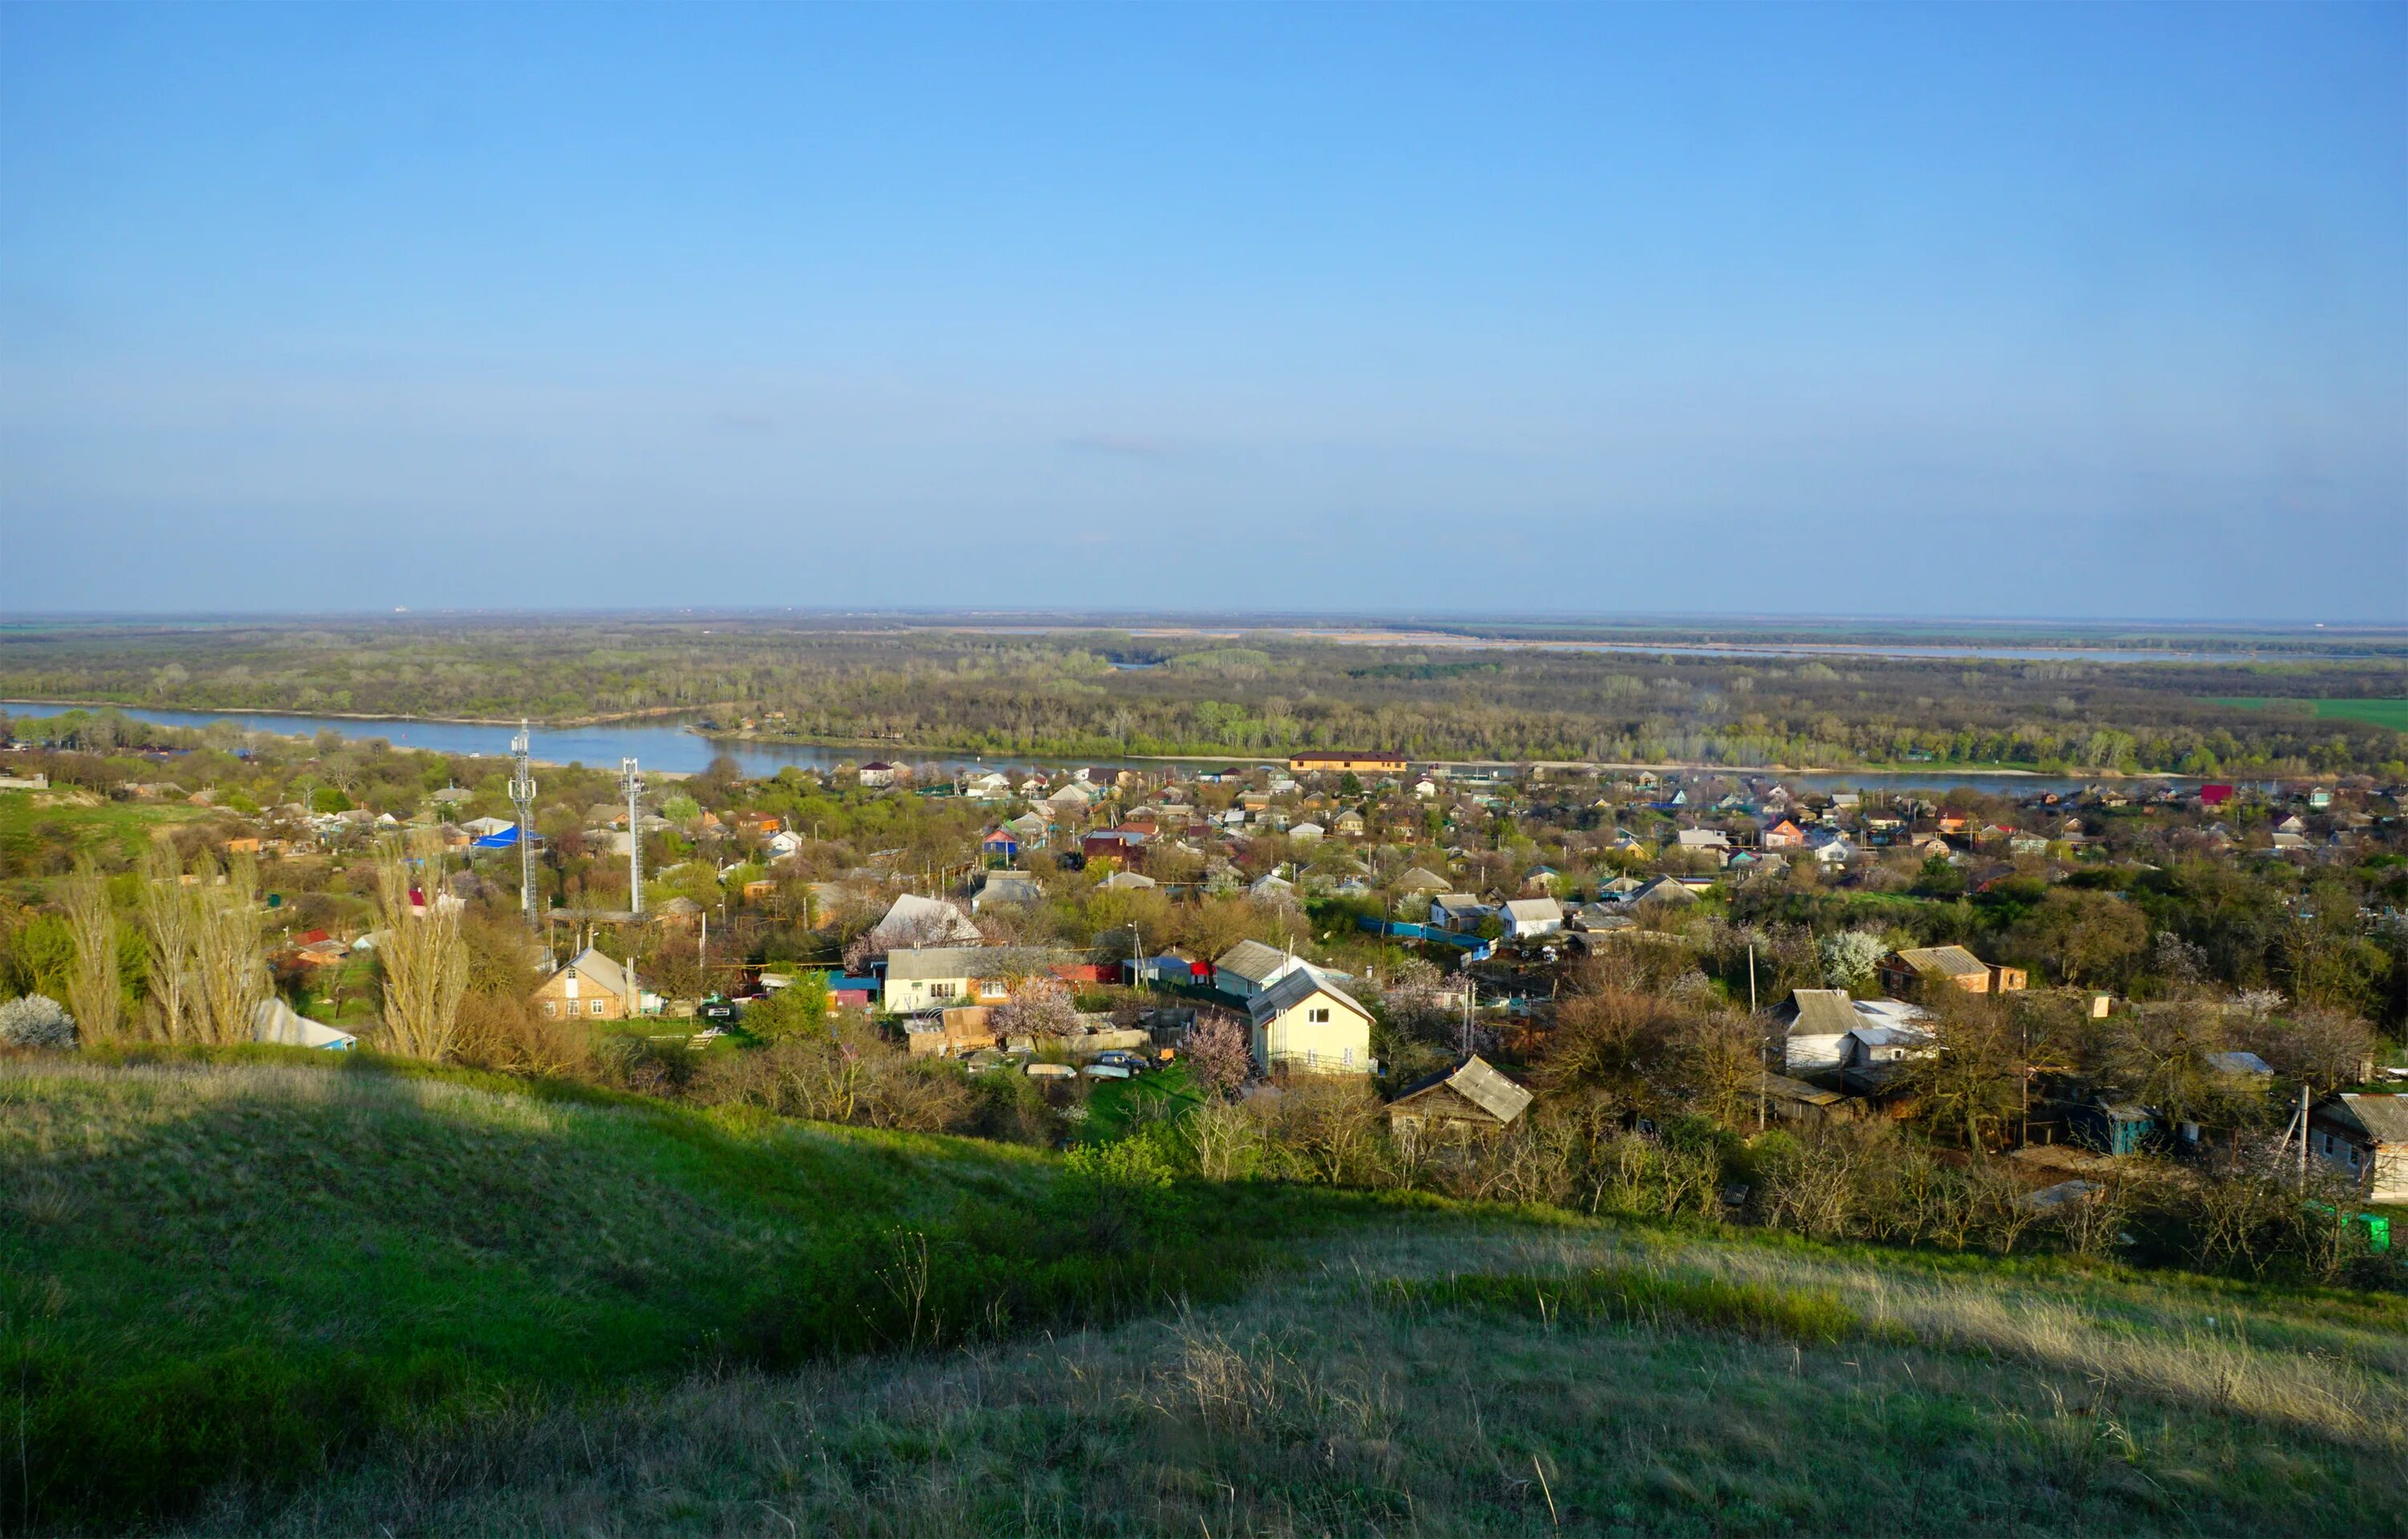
pixel 36 1021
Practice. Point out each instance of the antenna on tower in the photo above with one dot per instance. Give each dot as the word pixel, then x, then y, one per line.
pixel 522 797
pixel 632 778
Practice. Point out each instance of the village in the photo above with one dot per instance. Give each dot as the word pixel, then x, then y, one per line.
pixel 1422 929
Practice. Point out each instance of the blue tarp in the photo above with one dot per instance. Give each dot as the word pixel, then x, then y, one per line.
pixel 1479 948
pixel 507 840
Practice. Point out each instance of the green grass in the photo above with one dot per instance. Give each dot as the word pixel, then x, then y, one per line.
pixel 1114 1103
pixel 244 1268
pixel 28 820
pixel 2386 713
pixel 268 1291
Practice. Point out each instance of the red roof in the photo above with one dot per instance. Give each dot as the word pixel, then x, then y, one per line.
pixel 2214 796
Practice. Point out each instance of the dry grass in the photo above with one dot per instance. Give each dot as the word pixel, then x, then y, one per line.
pixel 1971 1403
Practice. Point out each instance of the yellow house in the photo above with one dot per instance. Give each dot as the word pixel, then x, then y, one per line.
pixel 1304 1024
pixel 1383 763
pixel 590 987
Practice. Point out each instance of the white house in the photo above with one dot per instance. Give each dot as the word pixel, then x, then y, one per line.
pixel 1250 966
pixel 915 921
pixel 1528 916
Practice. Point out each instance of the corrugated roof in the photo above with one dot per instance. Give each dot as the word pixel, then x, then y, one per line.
pixel 1535 909
pixel 1479 1083
pixel 2385 1117
pixel 1946 962
pixel 1823 1013
pixel 1251 960
pixel 925 963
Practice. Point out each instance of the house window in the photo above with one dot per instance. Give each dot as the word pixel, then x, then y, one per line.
pixel 597 1007
pixel 1312 1058
pixel 1318 1017
pixel 1346 1057
pixel 550 1008
pixel 940 991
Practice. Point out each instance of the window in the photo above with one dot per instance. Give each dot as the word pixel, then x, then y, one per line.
pixel 597 1007
pixel 1347 1057
pixel 550 1008
pixel 940 991
pixel 1318 1017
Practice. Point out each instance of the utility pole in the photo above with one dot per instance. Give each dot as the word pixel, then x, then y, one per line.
pixel 522 797
pixel 632 778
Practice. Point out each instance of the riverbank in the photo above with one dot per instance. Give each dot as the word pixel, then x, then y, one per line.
pixel 553 724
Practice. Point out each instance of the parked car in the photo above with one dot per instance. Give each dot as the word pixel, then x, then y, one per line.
pixel 1121 1058
pixel 1100 1070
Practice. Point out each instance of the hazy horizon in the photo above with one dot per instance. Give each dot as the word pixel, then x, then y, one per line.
pixel 1987 314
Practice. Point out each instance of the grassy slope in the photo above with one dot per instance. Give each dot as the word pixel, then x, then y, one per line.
pixel 247 1265
pixel 525 1287
pixel 127 826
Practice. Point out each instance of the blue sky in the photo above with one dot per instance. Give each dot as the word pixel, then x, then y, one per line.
pixel 2043 310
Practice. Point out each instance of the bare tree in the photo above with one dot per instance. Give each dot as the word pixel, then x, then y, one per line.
pixel 94 992
pixel 423 956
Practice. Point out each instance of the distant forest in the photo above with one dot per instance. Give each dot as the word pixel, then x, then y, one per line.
pixel 1100 692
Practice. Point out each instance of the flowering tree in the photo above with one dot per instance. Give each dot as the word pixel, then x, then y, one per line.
pixel 1219 1053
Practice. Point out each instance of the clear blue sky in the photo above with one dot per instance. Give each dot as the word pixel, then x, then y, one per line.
pixel 1961 309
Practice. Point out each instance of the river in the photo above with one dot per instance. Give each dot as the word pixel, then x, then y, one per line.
pixel 668 744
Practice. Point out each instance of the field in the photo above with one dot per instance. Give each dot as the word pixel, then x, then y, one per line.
pixel 2392 715
pixel 36 825
pixel 280 1295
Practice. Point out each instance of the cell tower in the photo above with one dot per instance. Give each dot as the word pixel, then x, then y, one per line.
pixel 522 797
pixel 632 778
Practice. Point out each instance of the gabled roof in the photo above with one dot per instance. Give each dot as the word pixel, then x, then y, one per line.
pixel 933 963
pixel 1418 880
pixel 1478 1082
pixel 591 963
pixel 1823 1013
pixel 1943 961
pixel 1252 960
pixel 1535 909
pixel 2384 1119
pixel 1293 989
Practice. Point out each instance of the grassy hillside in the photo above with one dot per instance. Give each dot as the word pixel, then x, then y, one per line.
pixel 447 1304
pixel 246 1268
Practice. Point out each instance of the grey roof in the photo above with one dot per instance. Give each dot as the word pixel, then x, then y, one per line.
pixel 1293 990
pixel 927 963
pixel 1943 961
pixel 1418 880
pixel 591 963
pixel 1535 909
pixel 2384 1117
pixel 1479 1083
pixel 1251 960
pixel 1823 1013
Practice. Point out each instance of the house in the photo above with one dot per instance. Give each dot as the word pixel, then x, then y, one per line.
pixel 989 786
pixel 1815 1024
pixel 1702 839
pixel 1304 1023
pixel 1467 1100
pixel 1783 835
pixel 1907 973
pixel 758 890
pixel 1459 911
pixel 1532 917
pixel 878 772
pixel 911 920
pixel 2364 1137
pixel 1308 833
pixel 1002 845
pixel 590 987
pixel 1874 1055
pixel 1426 788
pixel 930 977
pixel 1006 887
pixel 2213 797
pixel 1417 881
pixel 1271 888
pixel 1127 881
pixel 784 843
pixel 1391 764
pixel 1799 1104
pixel 1250 967
pixel 1663 889
pixel 756 825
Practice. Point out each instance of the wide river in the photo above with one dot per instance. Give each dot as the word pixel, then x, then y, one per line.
pixel 670 744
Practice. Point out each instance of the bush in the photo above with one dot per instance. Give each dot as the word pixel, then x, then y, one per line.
pixel 36 1020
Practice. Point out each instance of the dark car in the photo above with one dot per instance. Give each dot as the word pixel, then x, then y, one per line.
pixel 723 1012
